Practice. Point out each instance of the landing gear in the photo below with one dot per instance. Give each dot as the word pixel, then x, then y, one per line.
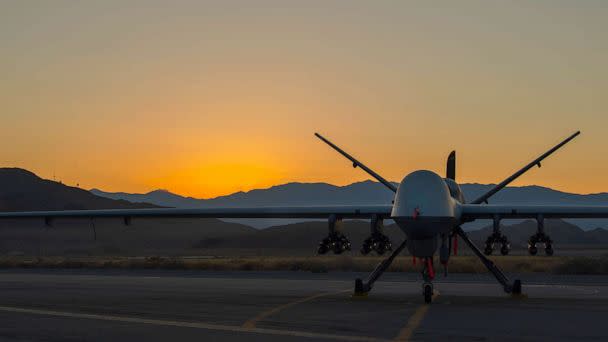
pixel 500 277
pixel 362 288
pixel 428 292
pixel 428 274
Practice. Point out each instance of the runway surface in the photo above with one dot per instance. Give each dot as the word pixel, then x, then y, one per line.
pixel 102 305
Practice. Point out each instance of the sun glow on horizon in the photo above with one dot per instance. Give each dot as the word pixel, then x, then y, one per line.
pixel 207 99
pixel 218 179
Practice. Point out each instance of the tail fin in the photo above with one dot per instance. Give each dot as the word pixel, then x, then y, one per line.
pixel 450 171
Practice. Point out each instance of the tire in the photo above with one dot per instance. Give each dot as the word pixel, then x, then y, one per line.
pixel 428 294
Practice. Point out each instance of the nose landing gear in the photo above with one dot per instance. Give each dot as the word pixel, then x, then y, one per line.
pixel 428 274
pixel 428 292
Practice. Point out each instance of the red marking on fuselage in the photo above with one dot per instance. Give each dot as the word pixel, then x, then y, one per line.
pixel 416 213
pixel 429 265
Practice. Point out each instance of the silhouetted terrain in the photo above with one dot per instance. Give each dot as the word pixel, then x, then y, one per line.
pixel 22 190
pixel 363 193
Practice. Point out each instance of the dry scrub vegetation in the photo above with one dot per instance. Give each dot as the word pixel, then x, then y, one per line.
pixel 458 264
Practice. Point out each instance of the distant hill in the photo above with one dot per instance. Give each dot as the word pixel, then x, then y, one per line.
pixel 295 194
pixel 21 190
pixel 363 193
pixel 162 198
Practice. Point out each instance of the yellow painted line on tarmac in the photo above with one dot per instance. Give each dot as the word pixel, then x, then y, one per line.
pixel 414 322
pixel 251 323
pixel 196 325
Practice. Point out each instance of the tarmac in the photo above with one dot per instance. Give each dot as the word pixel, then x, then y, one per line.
pixel 162 305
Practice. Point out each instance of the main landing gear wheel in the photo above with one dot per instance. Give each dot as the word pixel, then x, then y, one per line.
pixel 428 293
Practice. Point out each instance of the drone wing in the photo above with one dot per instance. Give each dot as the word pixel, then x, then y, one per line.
pixel 318 212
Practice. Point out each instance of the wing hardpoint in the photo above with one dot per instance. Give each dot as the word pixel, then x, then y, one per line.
pixel 318 212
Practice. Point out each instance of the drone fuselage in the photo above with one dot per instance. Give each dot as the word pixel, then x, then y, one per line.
pixel 425 208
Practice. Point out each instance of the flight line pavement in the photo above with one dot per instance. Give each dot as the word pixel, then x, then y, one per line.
pixel 161 305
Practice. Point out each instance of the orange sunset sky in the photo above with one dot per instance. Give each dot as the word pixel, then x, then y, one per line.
pixel 205 98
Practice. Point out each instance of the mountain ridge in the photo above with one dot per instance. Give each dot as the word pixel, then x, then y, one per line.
pixel 22 190
pixel 166 191
pixel 363 193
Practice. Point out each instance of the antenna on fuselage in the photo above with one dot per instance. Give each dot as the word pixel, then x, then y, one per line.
pixel 358 163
